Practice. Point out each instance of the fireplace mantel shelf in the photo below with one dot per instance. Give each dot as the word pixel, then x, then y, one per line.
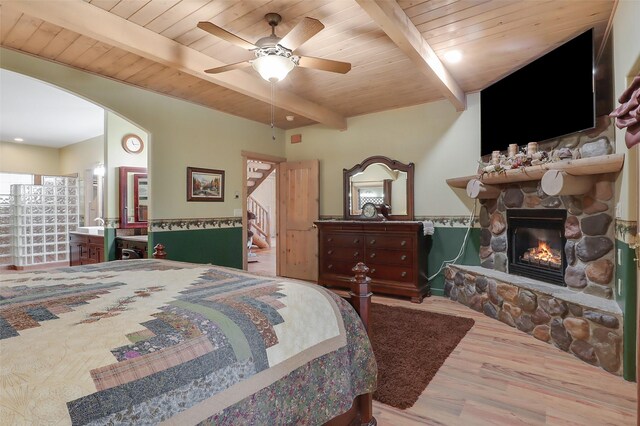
pixel 581 167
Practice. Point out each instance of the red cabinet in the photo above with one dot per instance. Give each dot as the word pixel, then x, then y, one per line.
pixel 85 249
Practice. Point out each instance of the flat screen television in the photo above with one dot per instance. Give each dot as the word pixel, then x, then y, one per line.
pixel 548 98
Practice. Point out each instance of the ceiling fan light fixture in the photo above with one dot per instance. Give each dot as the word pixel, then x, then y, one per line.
pixel 273 68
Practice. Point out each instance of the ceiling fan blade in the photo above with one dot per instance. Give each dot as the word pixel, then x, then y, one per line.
pixel 302 32
pixel 324 64
pixel 229 67
pixel 225 35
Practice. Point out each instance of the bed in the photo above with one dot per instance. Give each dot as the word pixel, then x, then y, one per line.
pixel 156 341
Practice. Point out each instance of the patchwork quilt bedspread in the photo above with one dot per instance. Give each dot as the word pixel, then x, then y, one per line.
pixel 151 341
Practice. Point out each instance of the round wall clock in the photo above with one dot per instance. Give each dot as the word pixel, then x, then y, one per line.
pixel 132 143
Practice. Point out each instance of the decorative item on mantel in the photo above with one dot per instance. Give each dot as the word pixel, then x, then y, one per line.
pixel 495 157
pixel 628 113
pixel 529 156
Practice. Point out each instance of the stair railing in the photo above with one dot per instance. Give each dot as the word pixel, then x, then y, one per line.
pixel 262 222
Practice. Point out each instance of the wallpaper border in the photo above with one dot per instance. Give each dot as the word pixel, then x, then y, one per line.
pixel 185 224
pixel 626 230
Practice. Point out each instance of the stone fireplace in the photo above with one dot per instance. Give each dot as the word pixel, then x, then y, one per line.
pixel 548 263
pixel 586 236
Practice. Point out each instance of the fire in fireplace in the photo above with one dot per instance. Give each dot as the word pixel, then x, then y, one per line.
pixel 536 244
pixel 543 256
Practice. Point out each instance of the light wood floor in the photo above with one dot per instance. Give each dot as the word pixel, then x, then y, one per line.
pixel 266 264
pixel 501 376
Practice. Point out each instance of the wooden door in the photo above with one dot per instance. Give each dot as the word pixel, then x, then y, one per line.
pixel 298 208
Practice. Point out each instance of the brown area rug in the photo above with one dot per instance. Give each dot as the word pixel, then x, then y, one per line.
pixel 410 346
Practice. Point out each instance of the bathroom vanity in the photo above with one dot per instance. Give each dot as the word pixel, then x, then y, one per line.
pixel 85 249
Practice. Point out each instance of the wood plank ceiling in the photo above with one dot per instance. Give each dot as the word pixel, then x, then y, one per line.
pixel 495 37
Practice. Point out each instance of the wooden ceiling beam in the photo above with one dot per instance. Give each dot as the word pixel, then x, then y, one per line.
pixel 397 25
pixel 94 22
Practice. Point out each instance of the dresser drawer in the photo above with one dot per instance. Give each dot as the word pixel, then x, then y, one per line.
pixel 388 257
pixel 337 267
pixel 343 253
pixel 342 240
pixel 389 242
pixel 390 272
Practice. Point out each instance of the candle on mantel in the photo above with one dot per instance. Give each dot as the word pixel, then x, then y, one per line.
pixel 532 148
pixel 495 157
pixel 513 149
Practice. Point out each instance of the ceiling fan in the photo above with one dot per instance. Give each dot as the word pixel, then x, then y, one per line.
pixel 274 55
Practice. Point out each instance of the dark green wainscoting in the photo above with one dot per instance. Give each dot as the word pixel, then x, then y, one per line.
pixel 626 297
pixel 220 246
pixel 109 244
pixel 445 245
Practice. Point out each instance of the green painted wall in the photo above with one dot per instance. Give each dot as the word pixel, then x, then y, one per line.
pixel 626 293
pixel 445 245
pixel 217 246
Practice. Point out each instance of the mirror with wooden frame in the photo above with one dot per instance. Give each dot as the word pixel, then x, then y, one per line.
pixel 381 181
pixel 134 197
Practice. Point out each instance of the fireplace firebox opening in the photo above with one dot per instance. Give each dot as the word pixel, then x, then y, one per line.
pixel 536 244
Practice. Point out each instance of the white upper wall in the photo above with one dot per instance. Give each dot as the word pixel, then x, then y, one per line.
pixel 442 142
pixel 32 159
pixel 81 156
pixel 626 64
pixel 181 135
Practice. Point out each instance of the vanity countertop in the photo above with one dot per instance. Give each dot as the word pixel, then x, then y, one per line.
pixel 370 221
pixel 138 238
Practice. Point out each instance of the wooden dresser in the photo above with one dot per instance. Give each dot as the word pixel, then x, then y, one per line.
pixel 394 251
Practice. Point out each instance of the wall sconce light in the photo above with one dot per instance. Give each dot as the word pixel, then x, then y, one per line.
pixel 98 170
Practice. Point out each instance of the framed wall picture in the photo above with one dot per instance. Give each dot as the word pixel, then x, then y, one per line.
pixel 205 184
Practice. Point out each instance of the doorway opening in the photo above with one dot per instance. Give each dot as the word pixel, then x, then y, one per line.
pixel 260 210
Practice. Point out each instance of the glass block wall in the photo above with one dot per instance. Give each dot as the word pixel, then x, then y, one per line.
pixel 5 230
pixel 41 218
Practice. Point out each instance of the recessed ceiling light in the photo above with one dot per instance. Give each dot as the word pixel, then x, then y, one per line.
pixel 453 56
pixel 18 139
pixel 289 117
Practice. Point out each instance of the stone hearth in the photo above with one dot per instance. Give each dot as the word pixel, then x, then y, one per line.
pixel 587 326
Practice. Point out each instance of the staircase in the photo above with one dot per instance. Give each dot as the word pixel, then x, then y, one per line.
pixel 257 172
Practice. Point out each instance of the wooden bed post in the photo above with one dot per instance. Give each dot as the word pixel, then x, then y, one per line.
pixel 361 301
pixel 158 252
pixel 361 293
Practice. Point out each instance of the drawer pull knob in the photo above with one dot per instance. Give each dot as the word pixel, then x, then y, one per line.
pixel 373 271
pixel 356 254
pixel 403 243
pixel 329 239
pixel 330 252
pixel 356 241
pixel 403 274
pixel 372 255
pixel 330 267
pixel 403 257
pixel 373 241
